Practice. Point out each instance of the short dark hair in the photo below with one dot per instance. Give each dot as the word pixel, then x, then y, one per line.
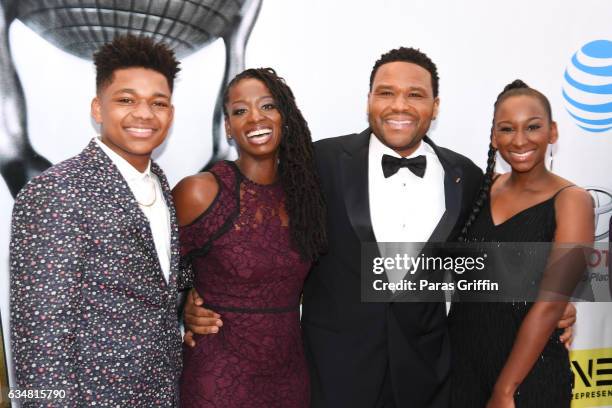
pixel 413 56
pixel 130 51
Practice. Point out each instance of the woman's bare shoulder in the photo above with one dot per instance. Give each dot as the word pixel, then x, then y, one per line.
pixel 193 195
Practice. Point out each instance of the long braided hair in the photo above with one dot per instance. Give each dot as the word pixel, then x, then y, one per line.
pixel 304 200
pixel 515 88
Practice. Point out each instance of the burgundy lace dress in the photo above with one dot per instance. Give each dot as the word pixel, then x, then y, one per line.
pixel 246 270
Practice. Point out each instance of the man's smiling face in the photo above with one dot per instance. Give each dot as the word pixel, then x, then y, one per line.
pixel 134 112
pixel 401 105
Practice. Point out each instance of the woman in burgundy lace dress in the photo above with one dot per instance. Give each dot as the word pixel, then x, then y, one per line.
pixel 250 231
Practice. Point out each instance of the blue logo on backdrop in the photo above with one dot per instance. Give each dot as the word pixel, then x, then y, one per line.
pixel 587 88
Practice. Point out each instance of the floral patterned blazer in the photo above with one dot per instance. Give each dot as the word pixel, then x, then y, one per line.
pixel 91 312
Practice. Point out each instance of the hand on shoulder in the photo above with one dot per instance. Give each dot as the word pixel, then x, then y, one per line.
pixel 193 195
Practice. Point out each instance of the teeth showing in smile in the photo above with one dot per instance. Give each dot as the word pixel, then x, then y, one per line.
pixel 141 131
pixel 399 123
pixel 522 156
pixel 259 132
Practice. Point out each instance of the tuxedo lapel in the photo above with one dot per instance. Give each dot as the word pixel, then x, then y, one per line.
pixel 111 187
pixel 453 192
pixel 354 178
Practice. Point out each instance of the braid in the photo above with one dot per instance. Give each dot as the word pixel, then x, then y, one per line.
pixel 483 193
pixel 303 197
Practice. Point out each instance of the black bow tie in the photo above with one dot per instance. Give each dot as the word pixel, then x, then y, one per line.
pixel 391 165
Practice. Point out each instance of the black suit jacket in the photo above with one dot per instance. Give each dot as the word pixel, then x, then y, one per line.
pixel 351 345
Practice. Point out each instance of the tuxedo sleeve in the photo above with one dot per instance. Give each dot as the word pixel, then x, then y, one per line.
pixel 45 268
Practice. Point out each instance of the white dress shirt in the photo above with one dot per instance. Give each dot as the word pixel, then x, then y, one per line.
pixel 147 189
pixel 404 208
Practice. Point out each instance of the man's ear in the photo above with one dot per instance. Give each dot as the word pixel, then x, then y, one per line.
pixel 368 106
pixel 436 108
pixel 96 112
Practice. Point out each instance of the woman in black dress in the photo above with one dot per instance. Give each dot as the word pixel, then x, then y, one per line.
pixel 509 355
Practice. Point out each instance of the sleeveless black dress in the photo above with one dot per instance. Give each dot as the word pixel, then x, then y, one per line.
pixel 482 334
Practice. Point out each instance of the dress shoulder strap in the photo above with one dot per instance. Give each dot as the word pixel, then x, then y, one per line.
pixel 561 189
pixel 226 174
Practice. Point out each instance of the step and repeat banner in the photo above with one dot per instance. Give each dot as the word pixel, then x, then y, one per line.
pixel 325 50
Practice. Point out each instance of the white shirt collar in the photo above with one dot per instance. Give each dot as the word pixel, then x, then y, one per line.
pixel 379 149
pixel 129 172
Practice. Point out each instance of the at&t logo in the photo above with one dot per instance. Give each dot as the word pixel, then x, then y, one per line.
pixel 587 88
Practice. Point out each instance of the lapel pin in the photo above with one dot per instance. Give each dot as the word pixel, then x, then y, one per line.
pixel 458 179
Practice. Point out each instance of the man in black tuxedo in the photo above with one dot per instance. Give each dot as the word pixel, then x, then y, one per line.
pixel 389 183
pixel 384 354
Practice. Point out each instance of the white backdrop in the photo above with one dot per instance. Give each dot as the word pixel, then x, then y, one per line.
pixel 325 50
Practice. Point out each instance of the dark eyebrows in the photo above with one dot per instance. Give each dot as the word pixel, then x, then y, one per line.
pixel 161 95
pixel 257 100
pixel 421 89
pixel 125 90
pixel 528 120
pixel 384 87
pixel 133 92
